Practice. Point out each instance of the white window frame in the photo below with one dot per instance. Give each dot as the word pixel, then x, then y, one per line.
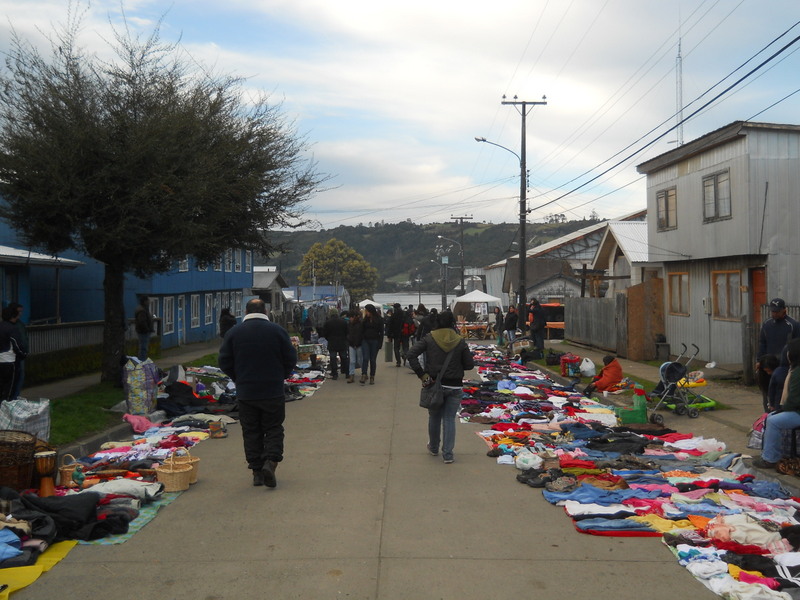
pixel 237 261
pixel 229 261
pixel 237 301
pixel 209 318
pixel 183 264
pixel 194 300
pixel 248 261
pixel 218 263
pixel 169 314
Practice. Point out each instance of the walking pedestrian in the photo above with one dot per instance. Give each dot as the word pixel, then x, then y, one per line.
pixel 19 364
pixel 355 338
pixel 510 324
pixel 226 321
pixel 538 322
pixel 335 331
pixel 436 345
pixel 143 323
pixel 258 356
pixel 372 340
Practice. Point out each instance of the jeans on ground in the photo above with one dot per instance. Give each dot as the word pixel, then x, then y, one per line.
pixel 262 430
pixel 400 348
pixel 369 356
pixel 338 356
pixel 442 423
pixel 776 422
pixel 354 359
pixel 144 345
pixel 511 336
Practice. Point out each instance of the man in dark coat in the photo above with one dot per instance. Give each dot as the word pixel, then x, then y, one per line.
pixel 258 356
pixel 775 333
pixel 510 324
pixel 395 332
pixel 335 331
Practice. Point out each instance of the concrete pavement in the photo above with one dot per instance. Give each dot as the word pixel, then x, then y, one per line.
pixel 362 511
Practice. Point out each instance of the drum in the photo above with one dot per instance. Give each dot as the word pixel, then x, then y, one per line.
pixel 45 465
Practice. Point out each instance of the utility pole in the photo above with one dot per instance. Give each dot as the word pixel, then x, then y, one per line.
pixel 461 248
pixel 524 107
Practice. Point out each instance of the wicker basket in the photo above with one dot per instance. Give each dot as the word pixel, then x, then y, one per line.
pixel 188 459
pixel 174 476
pixel 66 469
pixel 16 458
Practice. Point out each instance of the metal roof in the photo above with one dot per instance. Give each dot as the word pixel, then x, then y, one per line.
pixel 19 256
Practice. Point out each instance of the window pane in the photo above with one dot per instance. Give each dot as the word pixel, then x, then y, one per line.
pixel 709 211
pixel 723 195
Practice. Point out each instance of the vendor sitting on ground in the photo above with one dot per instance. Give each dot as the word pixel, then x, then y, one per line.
pixel 788 414
pixel 609 376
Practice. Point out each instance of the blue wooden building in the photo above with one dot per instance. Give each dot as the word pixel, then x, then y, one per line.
pixel 186 299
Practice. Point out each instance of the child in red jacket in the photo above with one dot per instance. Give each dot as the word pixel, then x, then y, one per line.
pixel 609 375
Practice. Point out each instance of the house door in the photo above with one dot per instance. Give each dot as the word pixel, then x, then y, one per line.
pixel 181 320
pixel 758 283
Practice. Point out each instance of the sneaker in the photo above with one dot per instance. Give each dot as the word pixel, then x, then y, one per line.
pixel 448 461
pixel 258 477
pixel 431 451
pixel 760 463
pixel 268 473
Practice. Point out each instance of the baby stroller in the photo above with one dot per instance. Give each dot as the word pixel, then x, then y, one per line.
pixel 675 389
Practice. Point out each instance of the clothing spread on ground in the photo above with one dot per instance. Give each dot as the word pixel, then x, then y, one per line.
pixel 115 491
pixel 738 535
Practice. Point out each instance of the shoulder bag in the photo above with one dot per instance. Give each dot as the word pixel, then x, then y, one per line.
pixel 432 397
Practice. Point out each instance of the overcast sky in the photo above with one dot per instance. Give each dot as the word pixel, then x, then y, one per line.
pixel 391 96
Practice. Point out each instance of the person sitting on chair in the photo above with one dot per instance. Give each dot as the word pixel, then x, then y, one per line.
pixel 609 376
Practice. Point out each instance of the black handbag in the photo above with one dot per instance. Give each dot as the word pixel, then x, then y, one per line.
pixel 432 397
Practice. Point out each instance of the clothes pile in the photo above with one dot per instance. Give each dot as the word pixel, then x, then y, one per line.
pixel 737 534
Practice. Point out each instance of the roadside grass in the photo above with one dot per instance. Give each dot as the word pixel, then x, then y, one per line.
pixel 83 413
pixel 87 412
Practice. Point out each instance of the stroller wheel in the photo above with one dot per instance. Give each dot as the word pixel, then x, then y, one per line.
pixel 680 409
pixel 657 419
pixel 693 413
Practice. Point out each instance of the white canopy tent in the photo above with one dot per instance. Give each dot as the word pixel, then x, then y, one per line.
pixel 463 304
pixel 363 303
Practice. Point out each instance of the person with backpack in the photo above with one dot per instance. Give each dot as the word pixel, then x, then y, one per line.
pixel 399 329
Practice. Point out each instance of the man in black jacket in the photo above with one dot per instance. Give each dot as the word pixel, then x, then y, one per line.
pixel 335 331
pixel 258 356
pixel 436 345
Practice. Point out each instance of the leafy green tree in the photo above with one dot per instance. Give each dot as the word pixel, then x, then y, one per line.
pixel 337 263
pixel 140 160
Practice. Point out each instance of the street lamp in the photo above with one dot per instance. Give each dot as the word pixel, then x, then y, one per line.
pixel 443 278
pixel 523 216
pixel 461 256
pixel 418 281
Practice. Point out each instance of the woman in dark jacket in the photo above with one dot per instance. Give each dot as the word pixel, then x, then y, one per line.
pixel 372 340
pixel 226 321
pixel 355 338
pixel 498 325
pixel 436 345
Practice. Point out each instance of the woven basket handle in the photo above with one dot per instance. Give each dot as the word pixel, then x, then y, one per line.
pixel 64 458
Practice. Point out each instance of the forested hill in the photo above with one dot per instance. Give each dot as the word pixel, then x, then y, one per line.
pixel 399 250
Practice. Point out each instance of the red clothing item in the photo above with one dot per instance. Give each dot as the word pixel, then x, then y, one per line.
pixel 609 375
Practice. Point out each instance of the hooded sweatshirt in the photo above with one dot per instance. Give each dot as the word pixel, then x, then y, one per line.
pixel 436 345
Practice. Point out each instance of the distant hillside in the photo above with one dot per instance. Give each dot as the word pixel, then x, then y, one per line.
pixel 399 250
